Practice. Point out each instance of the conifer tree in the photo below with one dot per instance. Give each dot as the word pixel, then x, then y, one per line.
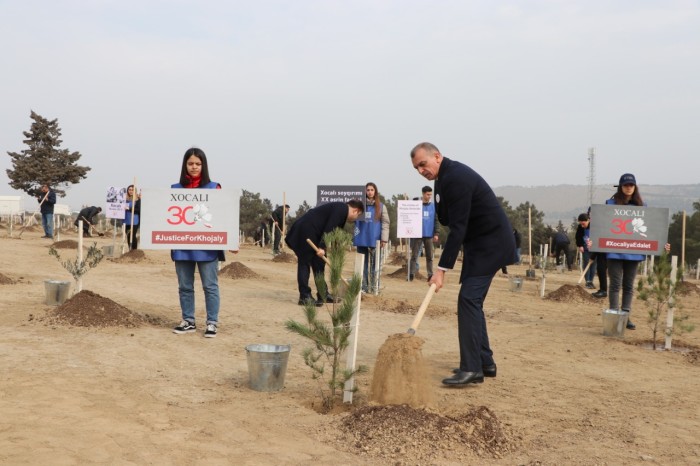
pixel 44 162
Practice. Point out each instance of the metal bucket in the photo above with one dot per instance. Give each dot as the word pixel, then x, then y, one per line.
pixel 267 365
pixel 108 251
pixel 516 284
pixel 614 322
pixel 56 292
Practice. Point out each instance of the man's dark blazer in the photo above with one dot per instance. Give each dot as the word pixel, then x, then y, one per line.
pixel 468 206
pixel 313 224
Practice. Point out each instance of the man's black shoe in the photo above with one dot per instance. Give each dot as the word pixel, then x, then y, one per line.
pixel 464 378
pixel 630 325
pixel 410 278
pixel 489 371
pixel 600 294
pixel 303 301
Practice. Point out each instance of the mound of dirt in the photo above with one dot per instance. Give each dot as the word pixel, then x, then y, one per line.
pixel 5 280
pixel 135 255
pixel 403 306
pixel 88 309
pixel 397 258
pixel 686 288
pixel 237 270
pixel 284 257
pixel 571 294
pixel 402 273
pixel 401 433
pixel 66 244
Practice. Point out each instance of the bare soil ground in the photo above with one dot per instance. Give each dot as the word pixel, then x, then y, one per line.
pixel 102 379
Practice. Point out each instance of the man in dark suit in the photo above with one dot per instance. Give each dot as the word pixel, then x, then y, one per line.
pixel 467 205
pixel 312 225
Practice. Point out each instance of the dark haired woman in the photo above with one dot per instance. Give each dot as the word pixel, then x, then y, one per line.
pixel 373 227
pixel 132 212
pixel 195 175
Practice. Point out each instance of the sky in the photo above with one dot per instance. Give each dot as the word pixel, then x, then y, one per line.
pixel 284 96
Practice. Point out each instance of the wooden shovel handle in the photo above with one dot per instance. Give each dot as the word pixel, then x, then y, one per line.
pixel 588 266
pixel 313 246
pixel 424 305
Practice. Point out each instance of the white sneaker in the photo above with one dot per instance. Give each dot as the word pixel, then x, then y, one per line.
pixel 211 331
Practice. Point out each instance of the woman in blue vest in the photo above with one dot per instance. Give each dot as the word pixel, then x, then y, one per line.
pixel 372 227
pixel 622 267
pixel 195 175
pixel 133 205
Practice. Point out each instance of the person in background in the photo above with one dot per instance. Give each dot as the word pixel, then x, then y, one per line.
pixel 89 217
pixel 372 227
pixel 561 244
pixel 583 232
pixel 312 225
pixel 194 174
pixel 477 224
pixel 46 201
pixel 132 206
pixel 276 221
pixel 622 267
pixel 429 235
pixel 518 243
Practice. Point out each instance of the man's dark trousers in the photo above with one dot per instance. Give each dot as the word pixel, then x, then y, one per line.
pixel 474 349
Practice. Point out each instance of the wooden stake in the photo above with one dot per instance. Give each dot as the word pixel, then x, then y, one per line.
pixel 355 326
pixel 669 313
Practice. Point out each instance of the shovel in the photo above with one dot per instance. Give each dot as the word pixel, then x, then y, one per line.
pixel 92 226
pixel 325 259
pixel 421 310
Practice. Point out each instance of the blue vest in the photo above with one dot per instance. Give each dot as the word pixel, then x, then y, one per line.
pixel 127 217
pixel 624 256
pixel 206 255
pixel 368 230
pixel 428 220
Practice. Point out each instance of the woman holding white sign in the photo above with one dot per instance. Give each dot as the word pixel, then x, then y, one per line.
pixel 195 174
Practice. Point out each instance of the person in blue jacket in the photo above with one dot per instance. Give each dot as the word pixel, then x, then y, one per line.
pixel 429 235
pixel 479 227
pixel 622 267
pixel 195 175
pixel 132 206
pixel 373 227
pixel 583 232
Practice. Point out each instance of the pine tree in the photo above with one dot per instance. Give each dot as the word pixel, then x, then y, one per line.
pixel 44 162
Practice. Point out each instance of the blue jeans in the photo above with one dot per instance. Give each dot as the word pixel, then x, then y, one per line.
pixel 621 274
pixel 47 223
pixel 368 276
pixel 210 282
pixel 474 349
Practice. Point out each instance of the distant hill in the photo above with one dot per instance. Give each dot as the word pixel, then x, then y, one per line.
pixel 565 201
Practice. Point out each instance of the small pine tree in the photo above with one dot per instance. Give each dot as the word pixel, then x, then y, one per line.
pixel 330 340
pixel 44 162
pixel 658 292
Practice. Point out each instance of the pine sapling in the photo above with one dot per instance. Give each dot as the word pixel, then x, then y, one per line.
pixel 330 339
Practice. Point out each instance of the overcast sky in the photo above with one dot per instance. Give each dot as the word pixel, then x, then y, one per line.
pixel 285 95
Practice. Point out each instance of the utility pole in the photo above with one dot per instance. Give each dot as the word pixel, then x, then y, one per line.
pixel 591 175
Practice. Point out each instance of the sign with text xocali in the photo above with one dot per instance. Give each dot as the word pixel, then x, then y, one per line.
pixel 190 218
pixel 629 229
pixel 335 193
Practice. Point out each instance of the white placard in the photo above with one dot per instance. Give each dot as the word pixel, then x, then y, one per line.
pixel 114 205
pixel 190 218
pixel 409 219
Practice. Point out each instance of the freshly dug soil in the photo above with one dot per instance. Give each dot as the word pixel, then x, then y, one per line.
pixel 571 294
pixel 66 244
pixel 236 270
pixel 400 373
pixel 5 280
pixel 135 255
pixel 284 257
pixel 88 309
pixel 418 436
